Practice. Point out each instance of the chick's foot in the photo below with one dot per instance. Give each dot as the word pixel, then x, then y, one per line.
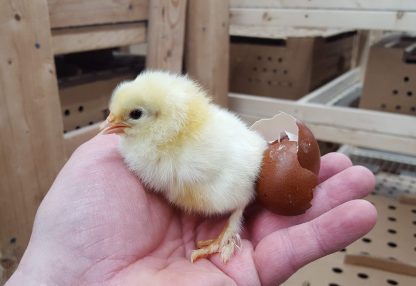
pixel 225 244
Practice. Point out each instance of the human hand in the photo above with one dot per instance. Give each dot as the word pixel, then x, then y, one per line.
pixel 98 226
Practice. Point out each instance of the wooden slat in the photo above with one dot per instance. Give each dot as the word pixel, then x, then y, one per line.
pixel 75 138
pixel 72 13
pixel 97 37
pixel 207 51
pixel 393 5
pixel 166 35
pixel 377 20
pixel 31 144
pixel 337 124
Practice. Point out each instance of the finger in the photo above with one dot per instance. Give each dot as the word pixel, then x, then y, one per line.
pixel 353 183
pixel 333 163
pixel 283 252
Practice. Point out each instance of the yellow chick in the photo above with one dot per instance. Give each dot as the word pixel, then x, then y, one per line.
pixel 201 157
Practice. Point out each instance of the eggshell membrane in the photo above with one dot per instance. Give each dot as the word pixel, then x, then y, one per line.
pixel 289 174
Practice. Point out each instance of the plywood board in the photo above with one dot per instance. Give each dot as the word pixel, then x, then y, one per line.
pixel 392 5
pixel 390 244
pixel 72 40
pixel 166 35
pixel 207 50
pixel 73 13
pixel 315 18
pixel 31 144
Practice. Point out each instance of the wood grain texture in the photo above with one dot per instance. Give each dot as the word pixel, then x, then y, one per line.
pixel 208 46
pixel 72 40
pixel 31 144
pixel 72 13
pixel 166 35
pixel 316 18
pixel 328 4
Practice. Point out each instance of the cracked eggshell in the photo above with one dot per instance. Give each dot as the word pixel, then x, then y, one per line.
pixel 290 168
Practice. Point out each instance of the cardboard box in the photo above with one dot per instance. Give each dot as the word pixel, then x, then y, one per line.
pixel 288 68
pixel 390 80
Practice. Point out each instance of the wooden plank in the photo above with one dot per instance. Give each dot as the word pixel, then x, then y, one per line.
pixel 207 50
pixel 394 5
pixel 352 136
pixel 72 40
pixel 75 138
pixel 31 144
pixel 72 13
pixel 166 35
pixel 376 20
pixel 338 124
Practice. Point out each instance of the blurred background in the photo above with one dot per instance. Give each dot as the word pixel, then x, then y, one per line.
pixel 346 68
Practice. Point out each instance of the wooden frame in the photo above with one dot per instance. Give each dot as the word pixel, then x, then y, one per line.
pixel 32 146
pixel 340 124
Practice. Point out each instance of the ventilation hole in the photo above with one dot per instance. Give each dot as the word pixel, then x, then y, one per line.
pixel 409 93
pixel 333 284
pixel 414 235
pixel 392 244
pixel 265 69
pixel 383 106
pixel 13 240
pixel 366 240
pixel 391 207
pixel 395 91
pixel 337 270
pixel 392 282
pixel 65 131
pixel 67 112
pixel 255 69
pixel 77 127
pixel 414 222
pixel 406 78
pixel 259 58
pixel 274 70
pixel 392 231
pixel 280 60
pixel 90 123
pixel 390 218
pixel 285 72
pixel 269 58
pixel 269 82
pixel 398 107
pixel 343 250
pixel 362 275
pixel 413 108
pixel 80 108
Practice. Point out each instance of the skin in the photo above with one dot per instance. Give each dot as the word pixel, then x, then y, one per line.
pixel 99 226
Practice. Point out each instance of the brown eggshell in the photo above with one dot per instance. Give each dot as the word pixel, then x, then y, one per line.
pixel 308 153
pixel 289 174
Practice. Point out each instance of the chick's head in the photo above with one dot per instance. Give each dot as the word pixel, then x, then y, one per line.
pixel 156 106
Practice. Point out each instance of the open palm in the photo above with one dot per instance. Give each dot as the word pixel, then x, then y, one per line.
pixel 99 226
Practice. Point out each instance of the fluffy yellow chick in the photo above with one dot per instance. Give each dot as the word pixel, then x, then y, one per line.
pixel 201 157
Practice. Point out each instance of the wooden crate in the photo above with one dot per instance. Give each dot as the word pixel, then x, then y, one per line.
pixel 287 68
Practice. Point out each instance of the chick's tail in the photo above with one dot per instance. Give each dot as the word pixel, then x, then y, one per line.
pixel 226 243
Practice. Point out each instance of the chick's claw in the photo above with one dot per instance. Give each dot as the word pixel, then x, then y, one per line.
pixel 225 245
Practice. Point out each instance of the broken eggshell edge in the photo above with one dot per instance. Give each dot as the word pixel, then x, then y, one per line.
pixel 288 176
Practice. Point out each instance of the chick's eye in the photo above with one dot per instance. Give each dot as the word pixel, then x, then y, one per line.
pixel 135 114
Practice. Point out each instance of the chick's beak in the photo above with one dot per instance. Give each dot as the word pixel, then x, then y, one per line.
pixel 113 125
